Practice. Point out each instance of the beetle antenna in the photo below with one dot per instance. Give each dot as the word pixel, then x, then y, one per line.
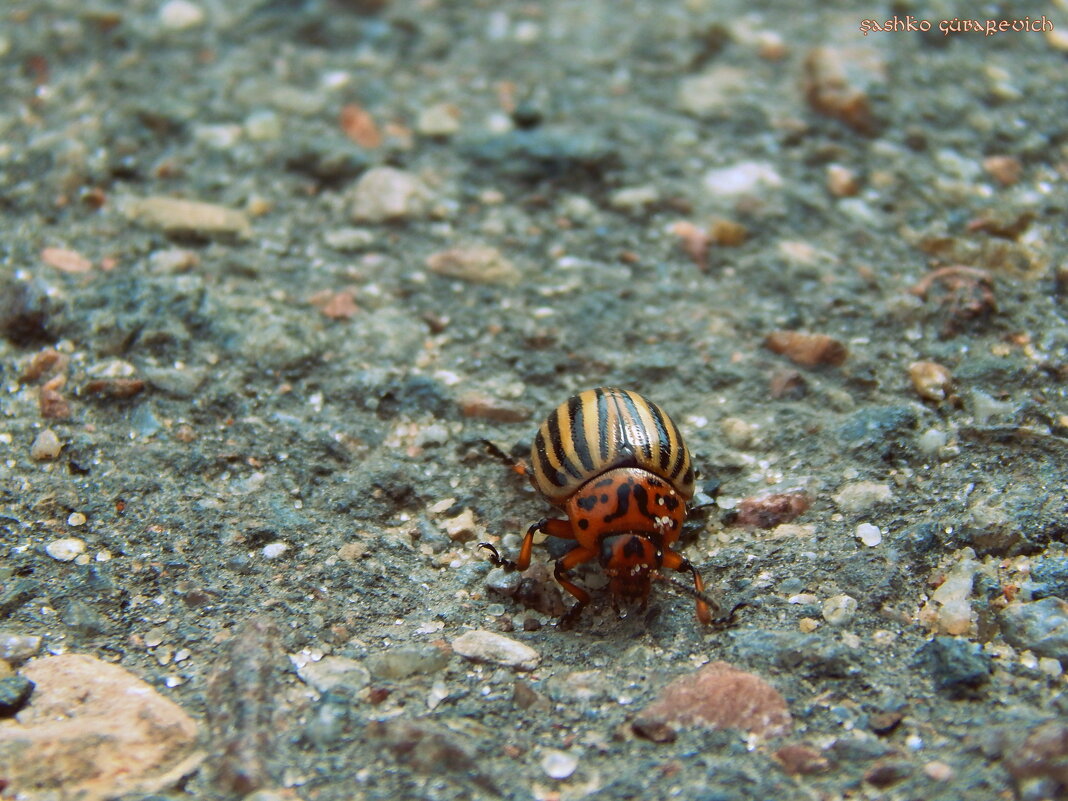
pixel 687 589
pixel 722 620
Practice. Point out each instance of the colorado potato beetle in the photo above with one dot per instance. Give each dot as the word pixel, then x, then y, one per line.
pixel 616 465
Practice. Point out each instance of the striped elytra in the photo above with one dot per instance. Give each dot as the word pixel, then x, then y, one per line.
pixel 602 429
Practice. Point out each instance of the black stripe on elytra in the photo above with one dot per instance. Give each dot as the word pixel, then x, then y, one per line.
pixel 602 424
pixel 680 457
pixel 662 435
pixel 553 427
pixel 577 415
pixel 638 425
pixel 624 449
pixel 542 465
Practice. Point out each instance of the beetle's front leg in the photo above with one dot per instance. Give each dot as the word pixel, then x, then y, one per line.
pixel 553 526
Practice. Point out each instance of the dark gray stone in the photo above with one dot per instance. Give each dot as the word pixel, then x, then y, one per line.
pixel 1041 626
pixel 958 667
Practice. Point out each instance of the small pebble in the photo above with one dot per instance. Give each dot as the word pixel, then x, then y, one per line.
pixel 15 692
pixel 558 764
pixel 349 240
pixel 742 179
pixel 178 15
pixel 635 198
pixel 869 535
pixel 839 610
pixel 808 350
pixel 68 261
pixel 480 645
pixel 738 433
pixel 65 550
pixel 76 519
pixel 842 181
pixel 506 582
pixel 17 648
pixel 476 263
pixel 713 92
pixel 173 260
pixel 488 407
pixel 332 672
pixel 769 511
pixel 931 380
pixel 932 441
pixel 808 625
pixel 801 760
pixel 263 126
pixel 461 528
pixel 400 662
pixel 957 666
pixel 1040 626
pixel 274 550
pixel 939 771
pixel 46 446
pixel 861 496
pixel 727 233
pixel 438 120
pixel 384 194
pixel 177 216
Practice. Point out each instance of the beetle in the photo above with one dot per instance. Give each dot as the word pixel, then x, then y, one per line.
pixel 616 465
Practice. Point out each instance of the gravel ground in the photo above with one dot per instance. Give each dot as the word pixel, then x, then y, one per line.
pixel 243 436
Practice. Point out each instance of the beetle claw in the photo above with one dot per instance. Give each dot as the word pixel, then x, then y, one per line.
pixel 728 620
pixel 570 617
pixel 497 559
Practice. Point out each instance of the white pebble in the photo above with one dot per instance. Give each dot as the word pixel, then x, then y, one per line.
pixel 263 126
pixel 46 447
pixel 480 645
pixel 558 764
pixel 65 550
pixel 745 178
pixel 932 441
pixel 838 610
pixel 76 519
pixel 862 495
pixel 180 14
pixel 274 550
pixel 868 534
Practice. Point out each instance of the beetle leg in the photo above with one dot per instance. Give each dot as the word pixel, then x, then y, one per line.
pixel 675 561
pixel 569 560
pixel 553 526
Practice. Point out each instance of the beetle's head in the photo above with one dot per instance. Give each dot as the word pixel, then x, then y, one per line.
pixel 628 561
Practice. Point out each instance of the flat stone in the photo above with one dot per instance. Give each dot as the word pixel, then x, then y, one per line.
pixel 93 731
pixel 178 216
pixel 480 645
pixel 718 696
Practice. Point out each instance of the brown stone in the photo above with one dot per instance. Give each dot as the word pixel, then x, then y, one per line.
pixel 808 350
pixel 93 730
pixel 836 83
pixel 487 407
pixel 1044 754
pixel 801 760
pixel 718 696
pixel 769 511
